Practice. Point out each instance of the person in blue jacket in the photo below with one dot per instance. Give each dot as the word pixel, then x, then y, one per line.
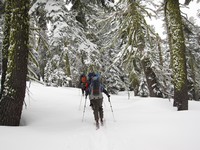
pixel 95 92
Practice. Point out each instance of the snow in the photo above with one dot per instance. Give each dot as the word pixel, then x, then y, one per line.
pixel 52 120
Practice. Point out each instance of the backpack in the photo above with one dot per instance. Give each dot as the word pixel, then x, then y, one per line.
pixel 95 89
pixel 90 76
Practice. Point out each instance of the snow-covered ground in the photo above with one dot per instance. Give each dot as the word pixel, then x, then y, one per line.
pixel 53 121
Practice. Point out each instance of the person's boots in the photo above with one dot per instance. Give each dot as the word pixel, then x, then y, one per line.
pixel 102 123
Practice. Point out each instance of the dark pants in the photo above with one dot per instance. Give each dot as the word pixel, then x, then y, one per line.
pixel 83 88
pixel 97 109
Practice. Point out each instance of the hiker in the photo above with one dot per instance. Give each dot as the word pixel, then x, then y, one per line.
pixel 83 83
pixel 96 98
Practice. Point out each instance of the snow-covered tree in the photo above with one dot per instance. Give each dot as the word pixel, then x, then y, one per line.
pixel 115 39
pixel 136 40
pixel 192 37
pixel 39 40
pixel 73 33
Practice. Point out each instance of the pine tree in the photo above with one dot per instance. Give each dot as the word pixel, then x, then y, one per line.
pixel 113 38
pixel 177 45
pixel 39 38
pixel 13 96
pixel 192 33
pixel 136 42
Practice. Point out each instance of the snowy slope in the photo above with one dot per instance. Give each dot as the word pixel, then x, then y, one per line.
pixel 53 121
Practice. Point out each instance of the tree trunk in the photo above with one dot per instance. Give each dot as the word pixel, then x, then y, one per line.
pixel 6 43
pixel 68 71
pixel 152 82
pixel 140 42
pixel 13 96
pixel 177 44
pixel 42 44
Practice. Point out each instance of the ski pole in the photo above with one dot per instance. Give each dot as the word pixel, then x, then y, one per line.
pixel 84 109
pixel 111 109
pixel 80 102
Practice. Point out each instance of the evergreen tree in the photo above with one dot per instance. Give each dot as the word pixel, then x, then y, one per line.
pixel 136 44
pixel 192 34
pixel 73 34
pixel 115 39
pixel 39 38
pixel 15 84
pixel 177 45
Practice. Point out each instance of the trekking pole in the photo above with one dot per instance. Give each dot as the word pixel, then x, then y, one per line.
pixel 80 102
pixel 84 109
pixel 111 109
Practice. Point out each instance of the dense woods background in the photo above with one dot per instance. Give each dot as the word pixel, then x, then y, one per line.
pixel 67 37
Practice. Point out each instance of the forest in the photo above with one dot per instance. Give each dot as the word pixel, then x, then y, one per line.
pixel 54 41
